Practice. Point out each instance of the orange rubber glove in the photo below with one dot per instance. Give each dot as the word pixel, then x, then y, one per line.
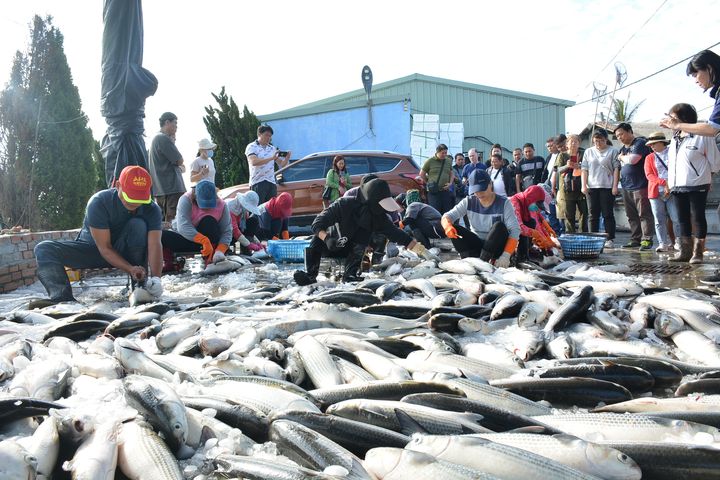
pixel 548 229
pixel 207 248
pixel 450 230
pixel 285 235
pixel 222 247
pixel 401 225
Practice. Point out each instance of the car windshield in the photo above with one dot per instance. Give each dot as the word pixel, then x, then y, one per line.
pixel 310 169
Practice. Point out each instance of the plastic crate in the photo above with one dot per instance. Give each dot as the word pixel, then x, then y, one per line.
pixel 288 250
pixel 581 246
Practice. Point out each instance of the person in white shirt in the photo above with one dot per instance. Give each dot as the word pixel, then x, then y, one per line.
pixel 501 176
pixel 692 160
pixel 203 167
pixel 262 156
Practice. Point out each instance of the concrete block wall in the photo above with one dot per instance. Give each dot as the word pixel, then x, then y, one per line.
pixel 17 259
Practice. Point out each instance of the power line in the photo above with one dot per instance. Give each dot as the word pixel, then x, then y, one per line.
pixel 549 105
pixel 627 41
pixel 66 121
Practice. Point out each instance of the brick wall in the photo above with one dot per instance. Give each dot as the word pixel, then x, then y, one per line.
pixel 17 260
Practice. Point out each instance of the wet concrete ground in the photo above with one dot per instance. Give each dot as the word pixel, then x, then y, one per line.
pixel 689 278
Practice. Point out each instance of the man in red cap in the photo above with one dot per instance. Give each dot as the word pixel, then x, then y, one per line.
pixel 121 229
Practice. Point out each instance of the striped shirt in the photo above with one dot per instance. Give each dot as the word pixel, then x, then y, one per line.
pixel 482 218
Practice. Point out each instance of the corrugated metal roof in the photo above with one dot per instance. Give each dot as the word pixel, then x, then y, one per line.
pixel 489 114
pixel 405 85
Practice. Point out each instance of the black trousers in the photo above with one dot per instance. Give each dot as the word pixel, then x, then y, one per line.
pixel 208 226
pixel 470 245
pixel 265 190
pixel 422 230
pixel 523 252
pixel 271 227
pixel 442 201
pixel 601 201
pixel 352 252
pixel 690 208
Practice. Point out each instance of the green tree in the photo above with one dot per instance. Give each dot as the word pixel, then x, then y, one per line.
pixel 232 132
pixel 47 148
pixel 100 182
pixel 623 111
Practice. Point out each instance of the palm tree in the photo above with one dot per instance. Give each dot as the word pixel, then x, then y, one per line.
pixel 622 111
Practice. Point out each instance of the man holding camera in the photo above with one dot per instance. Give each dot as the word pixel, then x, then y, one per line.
pixel 262 157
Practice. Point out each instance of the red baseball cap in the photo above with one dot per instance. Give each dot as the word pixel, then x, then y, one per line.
pixel 135 184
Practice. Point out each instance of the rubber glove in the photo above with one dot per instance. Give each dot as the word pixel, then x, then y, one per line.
pixel 254 247
pixel 538 238
pixel 285 235
pixel 154 287
pixel 450 230
pixel 218 256
pixel 503 261
pixel 207 248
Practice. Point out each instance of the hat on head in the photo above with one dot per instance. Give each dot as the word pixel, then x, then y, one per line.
pixel 378 191
pixel 135 184
pixel 284 204
pixel 478 181
pixel 205 194
pixel 657 137
pixel 249 201
pixel 206 144
pixel 412 196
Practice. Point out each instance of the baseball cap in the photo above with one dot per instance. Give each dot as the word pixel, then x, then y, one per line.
pixel 378 191
pixel 478 181
pixel 135 184
pixel 205 194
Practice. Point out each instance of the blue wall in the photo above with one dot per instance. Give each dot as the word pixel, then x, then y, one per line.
pixel 345 130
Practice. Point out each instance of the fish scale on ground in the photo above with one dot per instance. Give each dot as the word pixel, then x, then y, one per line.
pixel 195 351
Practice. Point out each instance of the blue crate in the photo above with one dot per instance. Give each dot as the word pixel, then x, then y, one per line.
pixel 577 246
pixel 292 251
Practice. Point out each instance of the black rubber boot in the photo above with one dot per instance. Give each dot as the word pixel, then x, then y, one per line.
pixel 312 267
pixel 352 264
pixel 56 282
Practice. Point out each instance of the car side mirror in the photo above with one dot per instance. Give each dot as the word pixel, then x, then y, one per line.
pixel 279 178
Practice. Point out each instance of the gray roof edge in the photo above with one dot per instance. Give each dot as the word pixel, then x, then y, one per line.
pixel 315 108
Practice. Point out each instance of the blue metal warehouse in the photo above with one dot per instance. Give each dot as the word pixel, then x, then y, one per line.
pixel 412 114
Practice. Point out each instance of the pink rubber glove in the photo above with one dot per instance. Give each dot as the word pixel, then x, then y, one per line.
pixel 254 247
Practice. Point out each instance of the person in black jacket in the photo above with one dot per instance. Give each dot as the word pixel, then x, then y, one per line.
pixel 345 228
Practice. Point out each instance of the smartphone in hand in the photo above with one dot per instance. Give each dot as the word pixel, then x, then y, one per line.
pixel 282 153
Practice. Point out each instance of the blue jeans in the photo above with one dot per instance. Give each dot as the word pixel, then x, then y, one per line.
pixel 556 224
pixel 661 209
pixel 53 255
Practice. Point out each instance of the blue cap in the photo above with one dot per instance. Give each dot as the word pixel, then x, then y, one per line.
pixel 205 194
pixel 478 181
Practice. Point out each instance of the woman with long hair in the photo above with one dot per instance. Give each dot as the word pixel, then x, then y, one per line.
pixel 704 67
pixel 338 179
pixel 692 160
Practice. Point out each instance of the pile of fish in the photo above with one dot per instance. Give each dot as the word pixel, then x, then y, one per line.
pixel 443 370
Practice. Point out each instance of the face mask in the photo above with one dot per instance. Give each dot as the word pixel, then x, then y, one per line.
pixel 210 153
pixel 533 208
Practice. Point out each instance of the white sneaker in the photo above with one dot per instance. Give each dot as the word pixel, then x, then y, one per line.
pixel 609 244
pixel 662 248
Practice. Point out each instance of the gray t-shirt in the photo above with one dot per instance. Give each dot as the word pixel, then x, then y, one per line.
pixel 163 162
pixel 105 211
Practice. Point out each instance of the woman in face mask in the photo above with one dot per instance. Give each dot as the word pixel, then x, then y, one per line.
pixel 533 226
pixel 203 167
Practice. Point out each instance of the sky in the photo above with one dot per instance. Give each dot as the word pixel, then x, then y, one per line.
pixel 276 55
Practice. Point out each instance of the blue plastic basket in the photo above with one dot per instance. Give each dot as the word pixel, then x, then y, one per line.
pixel 288 250
pixel 581 246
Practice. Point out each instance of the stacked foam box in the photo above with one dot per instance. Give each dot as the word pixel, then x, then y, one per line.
pixel 424 136
pixel 452 135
